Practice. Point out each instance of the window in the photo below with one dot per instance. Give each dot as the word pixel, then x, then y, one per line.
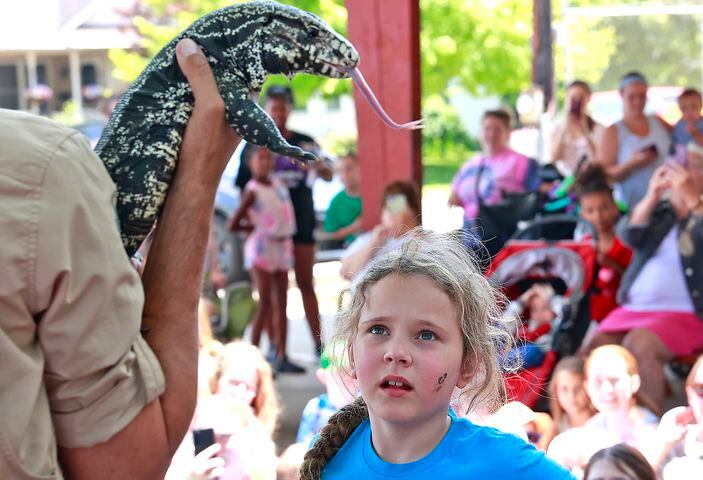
pixel 89 75
pixel 9 94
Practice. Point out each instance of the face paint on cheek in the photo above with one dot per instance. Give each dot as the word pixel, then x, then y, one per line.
pixel 440 381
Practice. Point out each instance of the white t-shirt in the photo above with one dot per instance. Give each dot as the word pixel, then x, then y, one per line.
pixel 661 285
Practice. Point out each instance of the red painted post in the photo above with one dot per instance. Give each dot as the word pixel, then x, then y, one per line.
pixel 387 36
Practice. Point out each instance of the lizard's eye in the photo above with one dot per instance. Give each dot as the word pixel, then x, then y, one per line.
pixel 313 33
pixel 267 21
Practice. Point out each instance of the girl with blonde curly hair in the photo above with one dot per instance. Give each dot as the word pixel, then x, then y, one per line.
pixel 243 372
pixel 240 408
pixel 422 328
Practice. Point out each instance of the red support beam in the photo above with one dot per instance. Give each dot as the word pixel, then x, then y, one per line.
pixel 387 36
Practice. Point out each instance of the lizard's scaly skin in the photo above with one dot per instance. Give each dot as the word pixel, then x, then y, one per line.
pixel 243 44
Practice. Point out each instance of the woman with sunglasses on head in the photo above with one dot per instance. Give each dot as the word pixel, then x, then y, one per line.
pixel 681 431
pixel 632 148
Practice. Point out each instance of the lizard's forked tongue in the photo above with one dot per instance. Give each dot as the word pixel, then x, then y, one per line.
pixel 366 91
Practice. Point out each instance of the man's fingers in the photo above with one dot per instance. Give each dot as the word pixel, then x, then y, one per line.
pixel 197 70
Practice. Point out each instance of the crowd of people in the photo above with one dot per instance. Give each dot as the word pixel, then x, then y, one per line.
pixel 414 376
pixel 637 185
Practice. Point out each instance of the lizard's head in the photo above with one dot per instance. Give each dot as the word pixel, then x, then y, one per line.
pixel 296 41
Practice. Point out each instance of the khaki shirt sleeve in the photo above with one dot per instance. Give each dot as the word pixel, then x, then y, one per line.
pixel 99 372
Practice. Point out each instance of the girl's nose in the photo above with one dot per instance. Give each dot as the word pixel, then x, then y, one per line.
pixel 397 354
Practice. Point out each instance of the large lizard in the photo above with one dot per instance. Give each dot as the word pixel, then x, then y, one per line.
pixel 243 44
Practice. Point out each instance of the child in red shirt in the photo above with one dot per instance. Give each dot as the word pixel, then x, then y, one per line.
pixel 598 207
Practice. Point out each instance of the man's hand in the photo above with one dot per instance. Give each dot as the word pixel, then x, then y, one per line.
pixel 208 136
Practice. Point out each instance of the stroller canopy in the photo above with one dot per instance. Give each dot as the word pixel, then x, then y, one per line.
pixel 572 262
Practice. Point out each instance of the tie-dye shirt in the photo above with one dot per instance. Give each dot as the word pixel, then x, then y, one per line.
pixel 272 212
pixel 506 171
pixel 270 246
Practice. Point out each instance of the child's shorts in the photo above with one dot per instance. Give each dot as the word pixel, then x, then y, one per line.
pixel 267 253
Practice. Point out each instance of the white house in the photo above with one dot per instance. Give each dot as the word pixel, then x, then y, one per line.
pixel 56 50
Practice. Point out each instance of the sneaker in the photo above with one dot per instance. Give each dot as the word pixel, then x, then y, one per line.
pixel 271 355
pixel 283 365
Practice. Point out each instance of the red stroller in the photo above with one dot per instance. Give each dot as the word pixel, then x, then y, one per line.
pixel 569 267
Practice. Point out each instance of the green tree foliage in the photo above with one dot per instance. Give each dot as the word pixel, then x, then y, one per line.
pixel 445 142
pixel 480 45
pixel 484 44
pixel 666 48
pixel 168 17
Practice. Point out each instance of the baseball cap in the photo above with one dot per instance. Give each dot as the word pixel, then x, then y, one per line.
pixel 280 91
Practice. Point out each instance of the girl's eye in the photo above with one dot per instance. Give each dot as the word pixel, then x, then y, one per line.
pixel 427 335
pixel 377 330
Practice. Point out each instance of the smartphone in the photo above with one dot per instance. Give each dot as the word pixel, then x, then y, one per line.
pixel 203 438
pixel 650 148
pixel 396 204
pixel 576 106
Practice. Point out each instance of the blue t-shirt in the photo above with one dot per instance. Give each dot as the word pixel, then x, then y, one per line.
pixel 466 451
pixel 680 134
pixel 314 418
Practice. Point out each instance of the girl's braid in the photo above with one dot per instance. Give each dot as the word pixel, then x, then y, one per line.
pixel 331 438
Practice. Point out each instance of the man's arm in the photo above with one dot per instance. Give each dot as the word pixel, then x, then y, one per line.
pixel 172 278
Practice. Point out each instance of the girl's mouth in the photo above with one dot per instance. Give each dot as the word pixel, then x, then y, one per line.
pixel 395 386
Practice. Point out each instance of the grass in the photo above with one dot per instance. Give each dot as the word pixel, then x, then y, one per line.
pixel 440 169
pixel 438 174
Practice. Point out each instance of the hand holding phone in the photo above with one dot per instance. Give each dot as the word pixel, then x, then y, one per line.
pixel 207 464
pixel 576 107
pixel 650 149
pixel 203 438
pixel 645 155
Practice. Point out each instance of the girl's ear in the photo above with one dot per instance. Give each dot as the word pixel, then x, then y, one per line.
pixel 352 367
pixel 635 383
pixel 468 371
